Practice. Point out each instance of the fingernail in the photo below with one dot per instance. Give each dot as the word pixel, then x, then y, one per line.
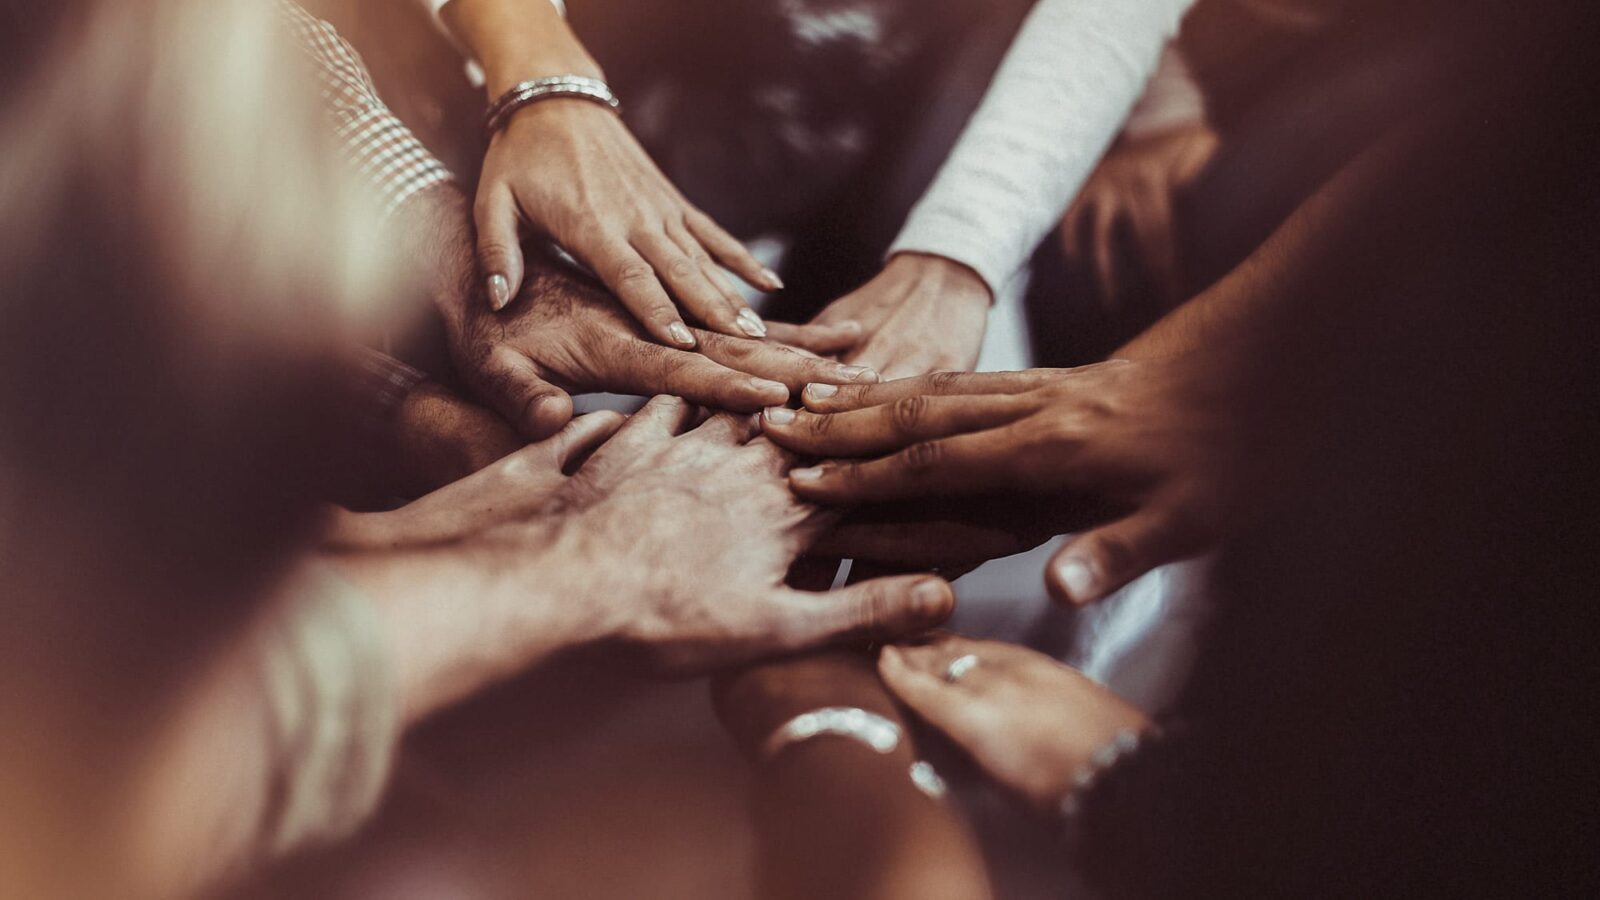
pixel 499 292
pixel 821 391
pixel 850 325
pixel 1077 578
pixel 864 374
pixel 680 333
pixel 773 282
pixel 773 388
pixel 751 324
pixel 928 598
pixel 780 415
pixel 809 476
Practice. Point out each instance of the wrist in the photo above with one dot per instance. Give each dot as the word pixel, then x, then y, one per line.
pixel 941 276
pixel 518 40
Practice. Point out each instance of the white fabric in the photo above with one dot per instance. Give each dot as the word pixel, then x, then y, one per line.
pixel 1062 94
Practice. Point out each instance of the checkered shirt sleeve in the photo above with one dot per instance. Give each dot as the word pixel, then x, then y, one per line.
pixel 379 147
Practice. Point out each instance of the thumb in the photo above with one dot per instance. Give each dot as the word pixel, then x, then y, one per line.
pixel 876 610
pixel 534 406
pixel 584 435
pixel 499 251
pixel 1095 563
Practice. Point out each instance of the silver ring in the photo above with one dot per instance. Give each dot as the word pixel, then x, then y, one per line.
pixel 960 666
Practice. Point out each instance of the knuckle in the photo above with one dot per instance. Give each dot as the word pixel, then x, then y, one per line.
pixel 907 414
pixel 944 382
pixel 634 274
pixel 923 458
pixel 682 267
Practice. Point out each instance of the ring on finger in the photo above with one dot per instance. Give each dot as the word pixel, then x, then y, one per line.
pixel 960 666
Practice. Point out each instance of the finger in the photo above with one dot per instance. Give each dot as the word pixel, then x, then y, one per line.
pixel 583 436
pixel 1152 228
pixel 499 249
pixel 535 407
pixel 686 279
pixel 655 369
pixel 729 252
pixel 828 398
pixel 728 428
pixel 663 416
pixel 1073 224
pixel 877 610
pixel 818 337
pixel 934 656
pixel 964 464
pixel 634 282
pixel 947 707
pixel 1094 564
pixel 1105 250
pixel 744 318
pixel 882 429
pixel 781 364
pixel 934 545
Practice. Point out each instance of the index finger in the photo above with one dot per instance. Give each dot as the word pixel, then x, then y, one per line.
pixel 882 429
pixel 964 464
pixel 635 283
pixel 827 398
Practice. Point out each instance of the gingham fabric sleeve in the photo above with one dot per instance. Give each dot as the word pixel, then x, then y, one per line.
pixel 379 147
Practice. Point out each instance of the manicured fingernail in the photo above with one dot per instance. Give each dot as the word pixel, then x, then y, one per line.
pixel 773 282
pixel 680 333
pixel 751 324
pixel 499 292
pixel 863 374
pixel 773 388
pixel 821 391
pixel 779 415
pixel 1077 578
pixel 809 476
pixel 929 598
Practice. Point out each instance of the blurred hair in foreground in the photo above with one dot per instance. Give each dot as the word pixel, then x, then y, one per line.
pixel 179 252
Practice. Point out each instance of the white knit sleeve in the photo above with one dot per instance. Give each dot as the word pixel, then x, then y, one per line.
pixel 1060 97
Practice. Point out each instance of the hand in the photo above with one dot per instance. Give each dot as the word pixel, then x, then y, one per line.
pixel 1029 721
pixel 681 541
pixel 516 487
pixel 920 314
pixel 1135 188
pixel 439 438
pixel 1148 441
pixel 572 170
pixel 571 336
pixel 947 535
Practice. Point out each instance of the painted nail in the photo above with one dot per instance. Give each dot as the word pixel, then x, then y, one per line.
pixel 773 282
pixel 809 476
pixel 779 415
pixel 751 324
pixel 864 374
pixel 680 333
pixel 821 391
pixel 1076 578
pixel 499 292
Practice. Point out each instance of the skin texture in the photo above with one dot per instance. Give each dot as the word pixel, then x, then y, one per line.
pixel 438 438
pixel 1133 452
pixel 571 336
pixel 1030 722
pixel 920 314
pixel 1133 193
pixel 572 171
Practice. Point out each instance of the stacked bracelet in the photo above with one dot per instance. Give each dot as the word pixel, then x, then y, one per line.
pixel 529 92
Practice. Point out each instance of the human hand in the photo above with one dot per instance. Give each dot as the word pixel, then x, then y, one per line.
pixel 1135 188
pixel 920 314
pixel 572 170
pixel 1146 445
pixel 680 542
pixel 571 336
pixel 1028 721
pixel 440 438
pixel 518 485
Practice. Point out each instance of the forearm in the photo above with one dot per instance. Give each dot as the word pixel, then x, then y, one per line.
pixel 517 40
pixel 837 818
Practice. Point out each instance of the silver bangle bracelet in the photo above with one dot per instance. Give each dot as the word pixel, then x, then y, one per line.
pixel 868 728
pixel 528 92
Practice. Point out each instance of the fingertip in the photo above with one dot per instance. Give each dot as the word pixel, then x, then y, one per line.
pixel 680 334
pixel 932 601
pixel 498 288
pixel 818 396
pixel 1071 579
pixel 769 393
pixel 777 416
pixel 546 415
